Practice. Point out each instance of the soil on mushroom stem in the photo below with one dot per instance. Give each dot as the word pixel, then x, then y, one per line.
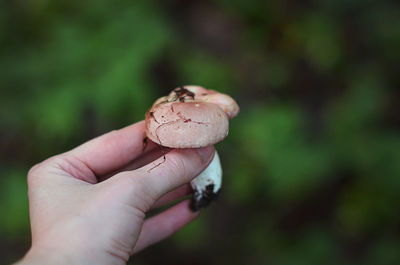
pixel 207 196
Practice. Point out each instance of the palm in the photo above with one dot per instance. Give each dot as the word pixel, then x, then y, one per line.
pixel 95 197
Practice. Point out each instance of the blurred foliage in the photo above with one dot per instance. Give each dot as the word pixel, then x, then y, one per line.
pixel 312 163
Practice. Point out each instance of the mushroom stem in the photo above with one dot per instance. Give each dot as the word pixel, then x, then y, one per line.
pixel 207 185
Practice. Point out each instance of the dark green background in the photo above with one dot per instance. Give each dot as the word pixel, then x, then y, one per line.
pixel 312 163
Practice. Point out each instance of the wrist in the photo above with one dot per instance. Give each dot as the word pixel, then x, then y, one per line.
pixel 36 256
pixel 39 255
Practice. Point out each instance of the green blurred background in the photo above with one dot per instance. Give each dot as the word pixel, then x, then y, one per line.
pixel 312 163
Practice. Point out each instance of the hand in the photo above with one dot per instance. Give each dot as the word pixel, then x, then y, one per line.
pixel 88 205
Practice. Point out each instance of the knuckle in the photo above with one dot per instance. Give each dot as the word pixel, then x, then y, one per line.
pixel 33 169
pixel 140 193
pixel 177 167
pixel 34 173
pixel 38 171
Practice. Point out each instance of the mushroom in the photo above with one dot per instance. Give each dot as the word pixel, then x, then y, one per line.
pixel 193 117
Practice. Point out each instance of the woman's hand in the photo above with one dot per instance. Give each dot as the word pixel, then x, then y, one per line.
pixel 88 205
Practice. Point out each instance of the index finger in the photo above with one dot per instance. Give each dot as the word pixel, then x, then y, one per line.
pixel 113 150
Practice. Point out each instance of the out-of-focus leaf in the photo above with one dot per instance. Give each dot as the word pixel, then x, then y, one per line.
pixel 192 236
pixel 385 252
pixel 201 69
pixel 274 140
pixel 384 30
pixel 314 247
pixel 14 220
pixel 319 37
pixel 351 119
pixel 363 208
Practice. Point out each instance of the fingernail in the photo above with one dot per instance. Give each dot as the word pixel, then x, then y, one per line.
pixel 206 153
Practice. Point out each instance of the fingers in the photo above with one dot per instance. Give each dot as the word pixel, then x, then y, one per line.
pixel 171 196
pixel 147 157
pixel 113 150
pixel 164 225
pixel 176 168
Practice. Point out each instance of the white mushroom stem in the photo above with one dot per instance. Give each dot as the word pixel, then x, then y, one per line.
pixel 207 185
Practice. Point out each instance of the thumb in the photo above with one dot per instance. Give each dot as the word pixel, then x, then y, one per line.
pixel 167 173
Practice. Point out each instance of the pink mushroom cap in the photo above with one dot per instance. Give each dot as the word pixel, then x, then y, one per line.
pixel 190 117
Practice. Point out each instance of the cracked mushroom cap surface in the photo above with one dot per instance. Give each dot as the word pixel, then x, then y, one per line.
pixel 190 117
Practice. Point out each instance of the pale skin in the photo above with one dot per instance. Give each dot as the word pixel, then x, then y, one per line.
pixel 88 205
